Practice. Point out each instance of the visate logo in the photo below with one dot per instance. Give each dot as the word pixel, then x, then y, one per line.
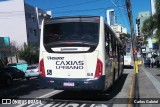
pixel 54 58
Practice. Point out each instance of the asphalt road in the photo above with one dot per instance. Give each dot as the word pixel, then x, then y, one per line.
pixel 26 90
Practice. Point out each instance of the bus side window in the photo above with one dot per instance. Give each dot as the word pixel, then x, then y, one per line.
pixel 110 45
pixel 106 41
pixel 113 42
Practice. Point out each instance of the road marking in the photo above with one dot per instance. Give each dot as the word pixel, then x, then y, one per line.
pixel 21 105
pixel 93 105
pixel 50 94
pixel 62 105
pixel 30 105
pixel 72 105
pixel 83 105
pixel 40 105
pixel 155 82
pixel 48 105
pixel 131 91
pixel 56 105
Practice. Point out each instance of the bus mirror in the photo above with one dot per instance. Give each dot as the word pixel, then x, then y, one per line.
pixel 124 52
pixel 106 43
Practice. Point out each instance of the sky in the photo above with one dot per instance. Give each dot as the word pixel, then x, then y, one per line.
pixel 93 7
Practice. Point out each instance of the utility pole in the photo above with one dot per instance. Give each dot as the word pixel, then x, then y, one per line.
pixel 134 50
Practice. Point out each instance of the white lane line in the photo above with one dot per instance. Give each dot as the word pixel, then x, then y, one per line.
pixel 40 105
pixel 56 105
pixel 31 105
pixel 155 82
pixel 62 105
pixel 83 105
pixel 48 105
pixel 50 94
pixel 21 105
pixel 93 105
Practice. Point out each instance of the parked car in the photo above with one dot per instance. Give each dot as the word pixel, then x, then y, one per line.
pixel 20 66
pixel 32 71
pixel 15 73
pixel 5 77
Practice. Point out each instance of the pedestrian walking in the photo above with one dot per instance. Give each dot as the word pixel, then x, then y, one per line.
pixel 152 62
pixel 149 61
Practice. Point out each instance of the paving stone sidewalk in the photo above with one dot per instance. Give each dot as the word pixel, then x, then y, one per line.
pixel 148 86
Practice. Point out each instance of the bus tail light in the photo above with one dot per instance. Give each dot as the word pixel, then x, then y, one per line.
pixel 99 69
pixel 41 68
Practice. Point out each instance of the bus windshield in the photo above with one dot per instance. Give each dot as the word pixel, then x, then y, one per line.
pixel 71 31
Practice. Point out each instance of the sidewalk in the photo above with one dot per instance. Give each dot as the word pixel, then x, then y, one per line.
pixel 149 87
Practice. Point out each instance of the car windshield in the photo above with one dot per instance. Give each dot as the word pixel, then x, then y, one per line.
pixel 32 67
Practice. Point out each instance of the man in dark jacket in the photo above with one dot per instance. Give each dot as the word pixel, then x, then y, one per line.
pixel 149 61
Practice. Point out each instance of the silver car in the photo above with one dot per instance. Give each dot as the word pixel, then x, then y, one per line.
pixel 32 71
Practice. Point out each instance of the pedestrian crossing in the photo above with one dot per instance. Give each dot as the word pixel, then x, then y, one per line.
pixel 62 105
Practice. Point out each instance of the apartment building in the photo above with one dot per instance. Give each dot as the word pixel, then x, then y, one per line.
pixel 21 22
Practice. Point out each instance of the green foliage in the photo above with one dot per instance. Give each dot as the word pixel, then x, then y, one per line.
pixel 124 37
pixel 29 54
pixel 7 51
pixel 149 26
pixel 158 19
pixel 152 24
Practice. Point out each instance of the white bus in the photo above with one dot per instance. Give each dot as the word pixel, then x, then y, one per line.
pixel 79 53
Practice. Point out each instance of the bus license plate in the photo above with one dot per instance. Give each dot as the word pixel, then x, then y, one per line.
pixel 68 84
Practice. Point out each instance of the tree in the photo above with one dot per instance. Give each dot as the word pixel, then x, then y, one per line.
pixel 124 37
pixel 148 27
pixel 152 24
pixel 7 51
pixel 158 19
pixel 29 54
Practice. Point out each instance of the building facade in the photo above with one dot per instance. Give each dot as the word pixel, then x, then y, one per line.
pixel 111 21
pixel 119 29
pixel 143 16
pixel 110 14
pixel 152 46
pixel 21 22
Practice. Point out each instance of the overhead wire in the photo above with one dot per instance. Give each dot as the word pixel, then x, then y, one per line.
pixel 126 15
pixel 58 12
pixel 70 11
pixel 72 5
pixel 18 13
pixel 120 9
